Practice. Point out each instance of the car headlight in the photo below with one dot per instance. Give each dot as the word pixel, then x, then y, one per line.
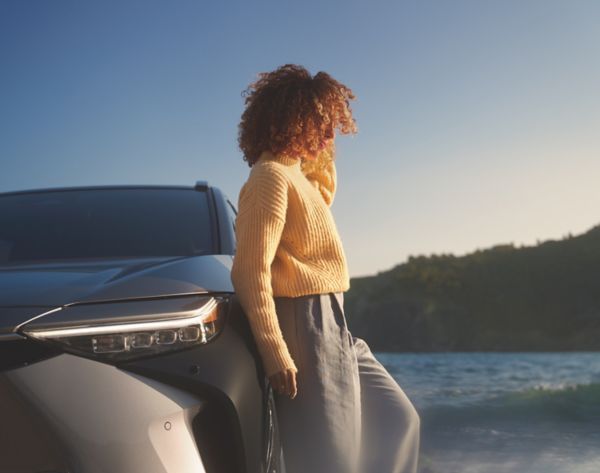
pixel 135 338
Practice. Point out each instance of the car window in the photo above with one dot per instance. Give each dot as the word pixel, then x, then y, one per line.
pixel 103 223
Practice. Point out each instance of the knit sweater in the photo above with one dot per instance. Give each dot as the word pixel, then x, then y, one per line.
pixel 287 245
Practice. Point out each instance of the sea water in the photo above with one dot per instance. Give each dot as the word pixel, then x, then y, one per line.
pixel 490 412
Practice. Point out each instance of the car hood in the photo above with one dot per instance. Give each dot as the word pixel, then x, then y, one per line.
pixel 29 290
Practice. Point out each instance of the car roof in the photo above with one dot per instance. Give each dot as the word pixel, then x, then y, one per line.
pixel 200 186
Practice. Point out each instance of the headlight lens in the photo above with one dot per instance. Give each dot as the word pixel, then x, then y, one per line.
pixel 123 341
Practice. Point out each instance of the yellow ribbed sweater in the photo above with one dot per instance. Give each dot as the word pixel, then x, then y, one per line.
pixel 287 245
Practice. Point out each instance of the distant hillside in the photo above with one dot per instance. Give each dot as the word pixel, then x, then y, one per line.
pixel 506 298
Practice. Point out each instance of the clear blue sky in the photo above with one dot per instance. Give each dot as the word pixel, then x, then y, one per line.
pixel 479 121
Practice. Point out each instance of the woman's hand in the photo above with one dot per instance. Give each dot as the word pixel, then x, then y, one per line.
pixel 322 174
pixel 284 382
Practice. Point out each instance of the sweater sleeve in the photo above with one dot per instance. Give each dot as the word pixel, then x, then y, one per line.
pixel 261 215
pixel 322 174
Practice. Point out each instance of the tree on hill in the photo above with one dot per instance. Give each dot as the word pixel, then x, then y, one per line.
pixel 541 297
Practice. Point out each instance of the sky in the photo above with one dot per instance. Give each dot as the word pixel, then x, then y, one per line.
pixel 478 121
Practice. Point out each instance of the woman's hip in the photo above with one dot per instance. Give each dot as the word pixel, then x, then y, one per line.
pixel 315 329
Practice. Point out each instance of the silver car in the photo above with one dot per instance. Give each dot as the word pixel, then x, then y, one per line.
pixel 122 345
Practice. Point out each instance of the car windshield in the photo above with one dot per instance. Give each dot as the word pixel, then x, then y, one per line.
pixel 103 223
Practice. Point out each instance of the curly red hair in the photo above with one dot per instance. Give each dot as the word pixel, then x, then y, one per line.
pixel 291 113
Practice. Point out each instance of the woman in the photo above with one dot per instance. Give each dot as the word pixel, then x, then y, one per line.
pixel 339 410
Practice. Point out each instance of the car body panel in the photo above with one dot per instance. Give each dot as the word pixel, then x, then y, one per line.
pixel 41 288
pixel 67 283
pixel 12 317
pixel 140 426
pixel 225 372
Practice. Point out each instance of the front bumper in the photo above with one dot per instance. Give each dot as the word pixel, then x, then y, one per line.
pixel 73 414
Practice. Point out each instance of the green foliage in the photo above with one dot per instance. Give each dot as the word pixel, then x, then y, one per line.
pixel 505 298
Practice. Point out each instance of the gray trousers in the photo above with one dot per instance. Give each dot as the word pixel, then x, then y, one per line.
pixel 350 415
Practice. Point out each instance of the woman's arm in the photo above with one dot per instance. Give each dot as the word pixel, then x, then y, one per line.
pixel 261 216
pixel 322 174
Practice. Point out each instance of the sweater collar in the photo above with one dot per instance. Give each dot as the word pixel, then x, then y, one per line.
pixel 285 160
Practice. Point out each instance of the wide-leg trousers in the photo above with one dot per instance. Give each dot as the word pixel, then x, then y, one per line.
pixel 350 415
